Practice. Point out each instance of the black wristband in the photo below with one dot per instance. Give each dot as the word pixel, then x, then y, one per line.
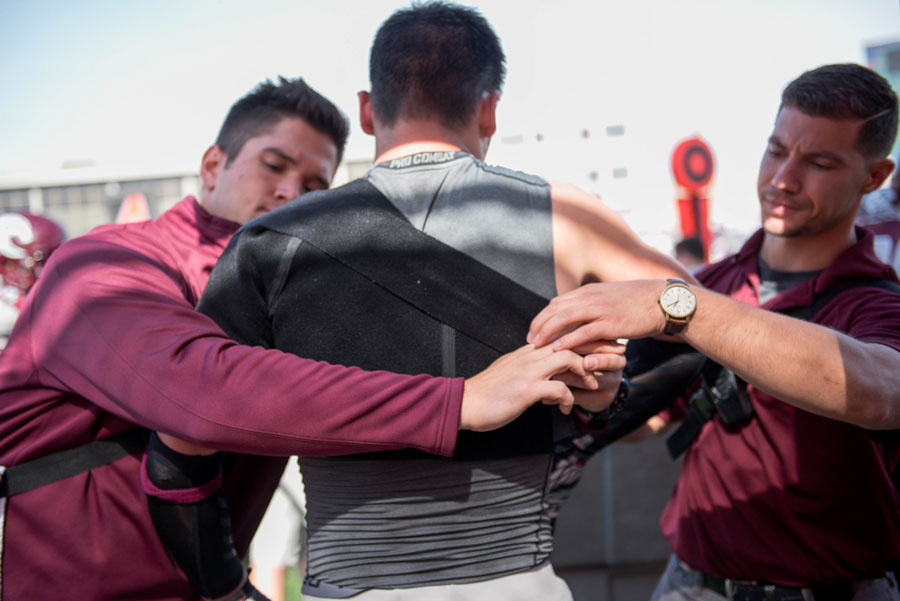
pixel 599 419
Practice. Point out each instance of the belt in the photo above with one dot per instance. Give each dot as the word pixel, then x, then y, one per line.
pixel 753 590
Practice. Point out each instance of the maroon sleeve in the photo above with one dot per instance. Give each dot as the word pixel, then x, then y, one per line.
pixel 866 314
pixel 112 325
pixel 879 321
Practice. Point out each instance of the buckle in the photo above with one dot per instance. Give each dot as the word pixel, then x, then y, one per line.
pixel 746 590
pixel 751 590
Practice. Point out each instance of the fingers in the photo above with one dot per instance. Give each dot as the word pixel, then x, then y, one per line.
pixel 604 362
pixel 600 399
pixel 600 346
pixel 549 324
pixel 602 311
pixel 556 393
pixel 563 321
pixel 558 363
pixel 588 381
pixel 515 381
pixel 582 335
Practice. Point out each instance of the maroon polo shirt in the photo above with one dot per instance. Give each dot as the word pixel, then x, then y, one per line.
pixel 109 339
pixel 792 498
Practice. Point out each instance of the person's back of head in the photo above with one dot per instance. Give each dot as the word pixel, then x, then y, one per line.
pixel 849 91
pixel 268 103
pixel 690 252
pixel 434 61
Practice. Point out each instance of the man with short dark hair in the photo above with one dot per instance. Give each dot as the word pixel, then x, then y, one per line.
pixel 444 261
pixel 786 492
pixel 109 345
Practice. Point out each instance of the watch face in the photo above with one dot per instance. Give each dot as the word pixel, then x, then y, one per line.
pixel 678 301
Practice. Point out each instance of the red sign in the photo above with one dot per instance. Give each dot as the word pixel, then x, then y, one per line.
pixel 692 164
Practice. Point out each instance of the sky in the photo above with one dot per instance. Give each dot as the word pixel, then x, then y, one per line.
pixel 146 85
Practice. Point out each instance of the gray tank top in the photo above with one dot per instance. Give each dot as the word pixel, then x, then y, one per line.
pixel 399 523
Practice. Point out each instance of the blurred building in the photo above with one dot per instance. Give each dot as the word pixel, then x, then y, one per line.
pixel 884 58
pixel 81 198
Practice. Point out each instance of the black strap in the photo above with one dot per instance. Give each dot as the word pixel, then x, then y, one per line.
pixel 820 300
pixel 722 392
pixel 652 389
pixel 701 409
pixel 434 277
pixel 52 468
pixel 699 412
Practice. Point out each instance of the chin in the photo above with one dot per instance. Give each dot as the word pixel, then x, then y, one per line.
pixel 777 227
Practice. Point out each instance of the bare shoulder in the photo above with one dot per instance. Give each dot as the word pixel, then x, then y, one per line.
pixel 594 243
pixel 578 209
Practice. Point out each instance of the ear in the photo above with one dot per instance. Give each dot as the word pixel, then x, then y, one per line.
pixel 366 116
pixel 877 173
pixel 487 114
pixel 212 164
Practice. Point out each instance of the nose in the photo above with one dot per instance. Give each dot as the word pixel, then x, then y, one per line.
pixel 786 177
pixel 288 189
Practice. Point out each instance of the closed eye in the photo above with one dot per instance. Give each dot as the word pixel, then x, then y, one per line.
pixel 315 184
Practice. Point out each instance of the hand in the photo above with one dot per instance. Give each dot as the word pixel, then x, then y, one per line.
pixel 606 356
pixel 516 381
pixel 182 446
pixel 597 400
pixel 606 360
pixel 607 311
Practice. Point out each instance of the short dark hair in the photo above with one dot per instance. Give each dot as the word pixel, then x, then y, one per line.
pixel 849 91
pixel 434 60
pixel 691 246
pixel 268 103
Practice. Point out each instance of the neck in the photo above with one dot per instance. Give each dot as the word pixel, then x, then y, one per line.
pixel 409 137
pixel 203 199
pixel 810 252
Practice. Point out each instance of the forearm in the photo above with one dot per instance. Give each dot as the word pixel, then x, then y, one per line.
pixel 124 338
pixel 812 367
pixel 218 394
pixel 809 366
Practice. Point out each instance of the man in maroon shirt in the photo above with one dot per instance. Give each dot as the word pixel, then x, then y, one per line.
pixel 109 340
pixel 795 501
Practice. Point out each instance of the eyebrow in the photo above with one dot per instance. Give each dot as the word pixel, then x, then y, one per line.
pixel 816 154
pixel 280 153
pixel 277 151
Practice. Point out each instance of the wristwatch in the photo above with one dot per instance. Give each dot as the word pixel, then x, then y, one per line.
pixel 678 303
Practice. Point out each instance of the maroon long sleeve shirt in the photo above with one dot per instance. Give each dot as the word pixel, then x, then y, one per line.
pixel 109 339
